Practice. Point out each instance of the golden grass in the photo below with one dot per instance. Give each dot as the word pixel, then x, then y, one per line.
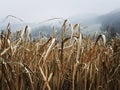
pixel 77 62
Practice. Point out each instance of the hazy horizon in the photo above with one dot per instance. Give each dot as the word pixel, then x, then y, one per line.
pixel 38 10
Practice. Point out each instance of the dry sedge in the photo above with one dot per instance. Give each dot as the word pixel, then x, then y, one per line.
pixel 76 62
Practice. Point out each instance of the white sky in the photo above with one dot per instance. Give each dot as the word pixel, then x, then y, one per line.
pixel 37 10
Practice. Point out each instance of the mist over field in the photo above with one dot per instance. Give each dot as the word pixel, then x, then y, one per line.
pixel 59 44
pixel 93 16
pixel 89 23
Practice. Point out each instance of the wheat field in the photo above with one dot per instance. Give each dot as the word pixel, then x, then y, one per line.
pixel 76 62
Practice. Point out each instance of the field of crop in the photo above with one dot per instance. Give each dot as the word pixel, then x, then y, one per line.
pixel 75 62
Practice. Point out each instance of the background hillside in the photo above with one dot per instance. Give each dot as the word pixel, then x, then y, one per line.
pixel 111 20
pixel 90 23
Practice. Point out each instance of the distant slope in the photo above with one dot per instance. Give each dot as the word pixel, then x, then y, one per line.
pixel 45 28
pixel 89 20
pixel 96 23
pixel 93 22
pixel 112 20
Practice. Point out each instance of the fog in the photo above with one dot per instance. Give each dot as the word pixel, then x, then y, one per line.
pixel 38 10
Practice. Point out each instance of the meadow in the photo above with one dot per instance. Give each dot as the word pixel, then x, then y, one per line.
pixel 74 62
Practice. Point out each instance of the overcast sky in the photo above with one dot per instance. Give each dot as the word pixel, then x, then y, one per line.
pixel 38 10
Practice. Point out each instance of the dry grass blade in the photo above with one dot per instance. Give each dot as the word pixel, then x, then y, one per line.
pixel 75 61
pixel 75 26
pixel 45 79
pixel 73 77
pixel 49 49
pixel 78 48
pixel 104 39
pixel 26 33
pixel 8 31
pixel 4 51
pixel 100 36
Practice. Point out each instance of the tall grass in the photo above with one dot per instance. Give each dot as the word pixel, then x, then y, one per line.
pixel 75 62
